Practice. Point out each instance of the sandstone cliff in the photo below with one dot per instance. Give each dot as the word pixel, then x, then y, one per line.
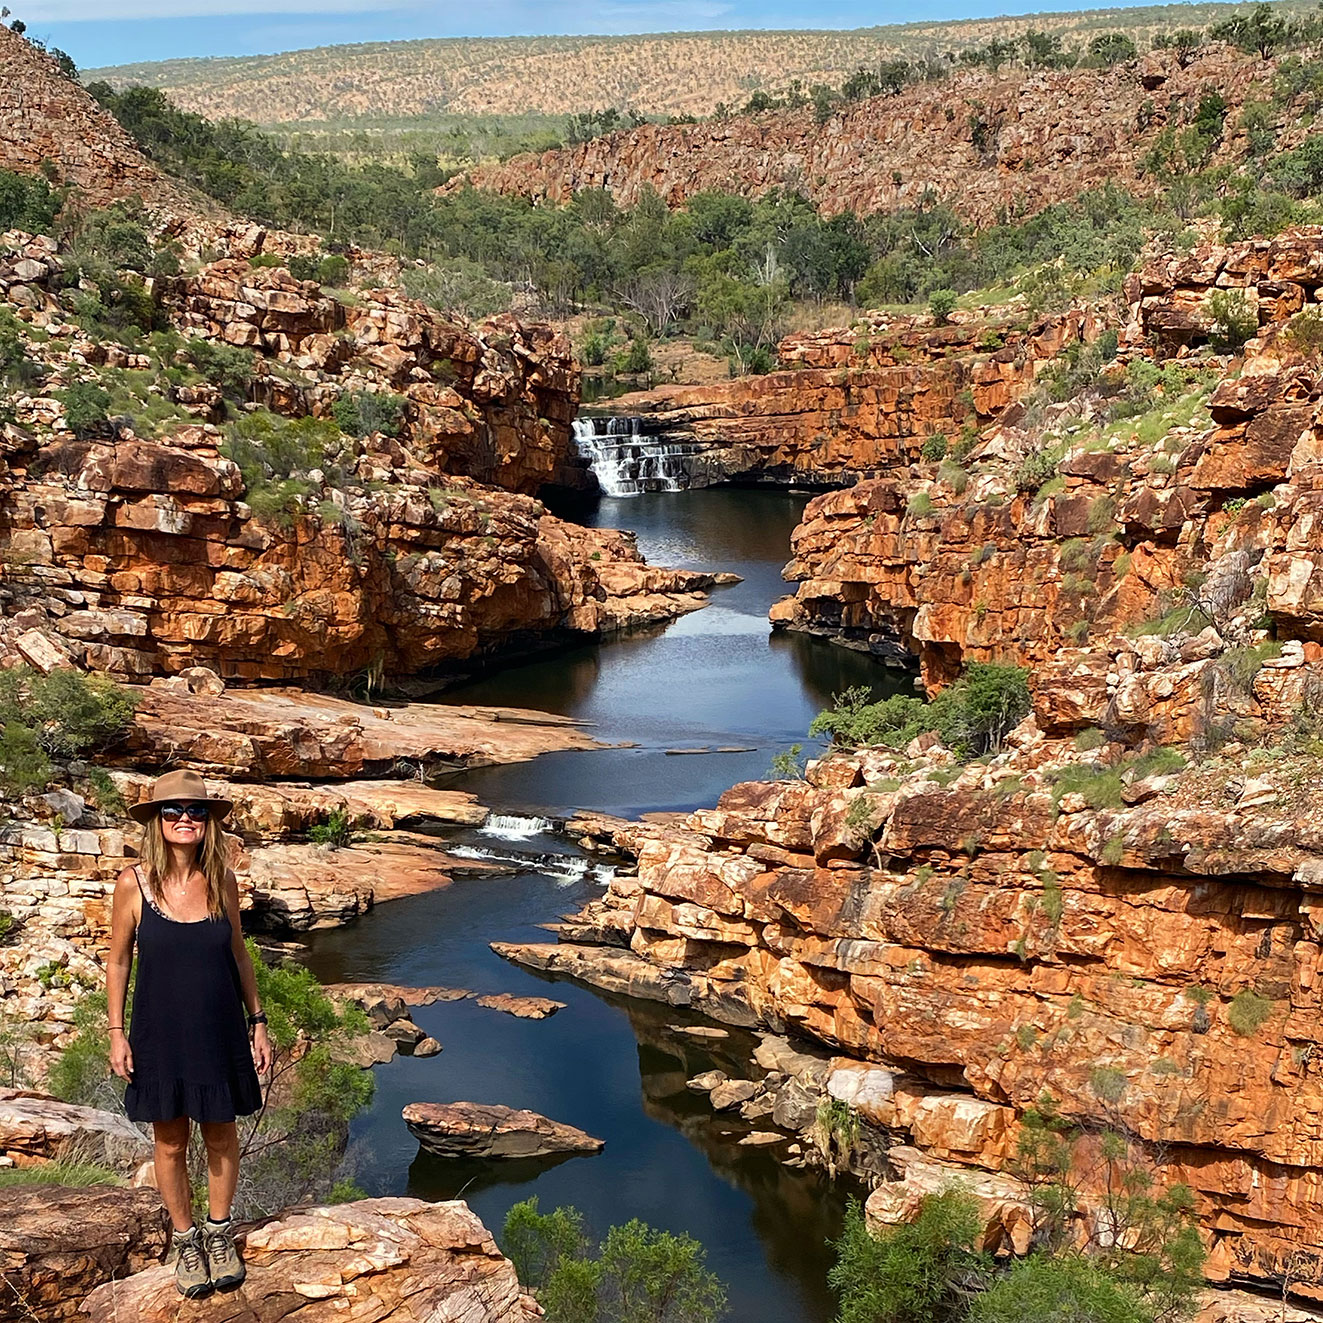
pixel 852 402
pixel 986 940
pixel 1060 530
pixel 988 144
pixel 140 555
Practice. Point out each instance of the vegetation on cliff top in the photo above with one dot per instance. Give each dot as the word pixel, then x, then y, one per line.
pixel 972 715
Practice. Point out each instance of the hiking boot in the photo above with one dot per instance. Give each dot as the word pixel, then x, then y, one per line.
pixel 227 1269
pixel 191 1276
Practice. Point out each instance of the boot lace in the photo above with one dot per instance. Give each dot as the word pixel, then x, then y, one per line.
pixel 190 1255
pixel 217 1241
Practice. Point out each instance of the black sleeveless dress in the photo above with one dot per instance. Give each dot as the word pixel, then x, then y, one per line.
pixel 189 1037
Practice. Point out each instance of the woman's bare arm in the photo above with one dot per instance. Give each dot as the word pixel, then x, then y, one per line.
pixel 124 915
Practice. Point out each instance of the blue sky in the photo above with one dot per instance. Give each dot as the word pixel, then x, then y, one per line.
pixel 161 29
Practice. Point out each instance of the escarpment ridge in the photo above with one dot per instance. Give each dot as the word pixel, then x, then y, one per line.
pixel 988 144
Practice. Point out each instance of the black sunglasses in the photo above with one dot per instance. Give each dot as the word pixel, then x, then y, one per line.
pixel 194 812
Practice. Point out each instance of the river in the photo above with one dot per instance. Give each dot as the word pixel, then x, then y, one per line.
pixel 617 1069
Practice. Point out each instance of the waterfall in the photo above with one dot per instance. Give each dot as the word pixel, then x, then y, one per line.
pixel 515 826
pixel 627 461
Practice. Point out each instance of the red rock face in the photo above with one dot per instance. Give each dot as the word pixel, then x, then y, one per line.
pixel 47 121
pixel 997 572
pixel 985 143
pixel 1001 950
pixel 853 402
pixel 161 567
pixel 493 402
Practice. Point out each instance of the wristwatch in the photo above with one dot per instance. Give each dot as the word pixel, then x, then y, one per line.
pixel 259 1018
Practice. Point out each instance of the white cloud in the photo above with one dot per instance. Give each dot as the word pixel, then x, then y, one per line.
pixel 79 11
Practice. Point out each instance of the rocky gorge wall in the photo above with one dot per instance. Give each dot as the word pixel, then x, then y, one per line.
pixel 1117 523
pixel 140 555
pixel 988 144
pixel 854 401
pixel 986 941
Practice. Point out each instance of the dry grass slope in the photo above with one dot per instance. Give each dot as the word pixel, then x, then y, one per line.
pixel 659 74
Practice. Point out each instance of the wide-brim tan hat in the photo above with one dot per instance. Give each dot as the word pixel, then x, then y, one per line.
pixel 178 787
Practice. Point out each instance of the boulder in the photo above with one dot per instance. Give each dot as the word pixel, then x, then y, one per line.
pixel 525 1008
pixel 35 1128
pixel 58 1243
pixel 478 1130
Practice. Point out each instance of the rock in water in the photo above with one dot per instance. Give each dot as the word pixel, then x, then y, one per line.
pixel 525 1008
pixel 480 1130
pixel 393 1260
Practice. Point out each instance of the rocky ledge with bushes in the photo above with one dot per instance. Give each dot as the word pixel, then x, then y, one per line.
pixel 332 527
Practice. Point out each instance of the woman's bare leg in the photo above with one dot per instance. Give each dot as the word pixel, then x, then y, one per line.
pixel 222 1141
pixel 171 1157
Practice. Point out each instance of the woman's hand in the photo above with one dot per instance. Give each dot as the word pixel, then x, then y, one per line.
pixel 261 1049
pixel 121 1055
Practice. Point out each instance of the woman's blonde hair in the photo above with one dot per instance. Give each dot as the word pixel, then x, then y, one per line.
pixel 212 861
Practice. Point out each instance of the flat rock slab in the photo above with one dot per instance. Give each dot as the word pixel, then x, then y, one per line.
pixel 252 734
pixel 365 993
pixel 298 887
pixel 526 1008
pixel 482 1130
pixel 391 1260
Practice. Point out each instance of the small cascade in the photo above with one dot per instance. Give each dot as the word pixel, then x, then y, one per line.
pixel 626 460
pixel 515 826
pixel 564 868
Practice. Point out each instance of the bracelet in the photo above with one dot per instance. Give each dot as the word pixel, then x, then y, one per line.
pixel 259 1018
pixel 113 1027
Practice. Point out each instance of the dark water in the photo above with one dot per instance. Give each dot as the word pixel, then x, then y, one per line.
pixel 715 678
pixel 615 1068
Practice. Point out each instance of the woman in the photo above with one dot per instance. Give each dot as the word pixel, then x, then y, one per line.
pixel 187 1055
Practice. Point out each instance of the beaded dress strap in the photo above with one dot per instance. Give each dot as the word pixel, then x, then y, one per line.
pixel 146 894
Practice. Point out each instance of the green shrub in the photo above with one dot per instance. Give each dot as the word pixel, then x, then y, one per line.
pixel 636 1275
pixel 225 366
pixel 942 303
pixel 24 766
pixel 85 407
pixel 275 455
pixel 1052 1289
pixel 973 715
pixel 1100 786
pixel 920 505
pixel 1247 1011
pixel 337 830
pixel 364 412
pixel 918 1272
pixel 788 765
pixel 65 714
pixel 1234 316
pixel 27 202
pixel 934 448
pixel 81 1073
pixel 325 268
pixel 105 794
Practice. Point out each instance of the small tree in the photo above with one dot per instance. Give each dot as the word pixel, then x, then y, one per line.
pixel 942 303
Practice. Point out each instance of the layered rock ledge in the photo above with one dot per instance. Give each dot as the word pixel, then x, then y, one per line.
pixel 480 1130
pixel 987 940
